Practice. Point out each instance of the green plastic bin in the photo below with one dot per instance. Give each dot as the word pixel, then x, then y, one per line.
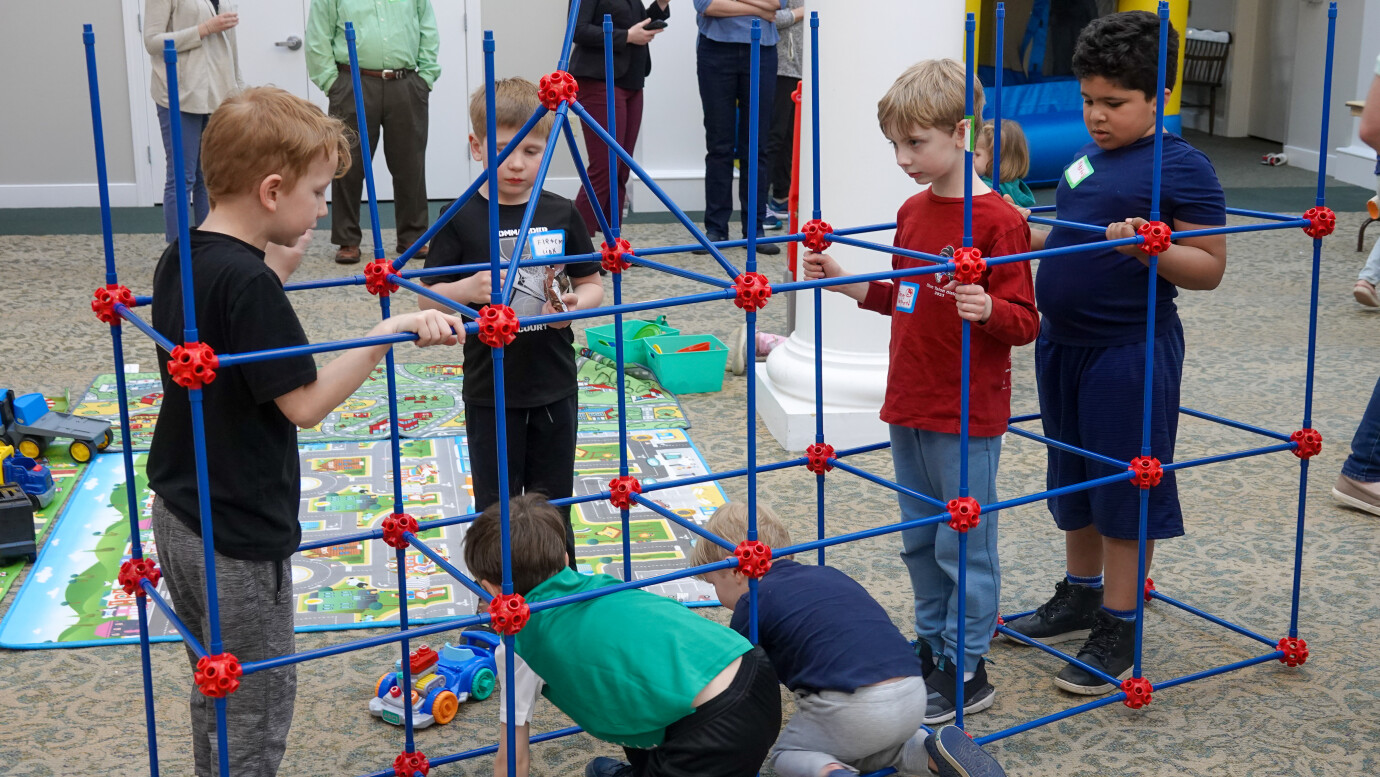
pixel 688 373
pixel 635 331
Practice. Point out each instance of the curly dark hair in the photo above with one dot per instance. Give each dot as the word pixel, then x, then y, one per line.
pixel 1125 48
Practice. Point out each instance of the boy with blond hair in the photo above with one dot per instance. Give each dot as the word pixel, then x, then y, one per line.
pixel 922 114
pixel 681 694
pixel 268 158
pixel 539 364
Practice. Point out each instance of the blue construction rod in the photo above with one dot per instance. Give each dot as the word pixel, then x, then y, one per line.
pixel 878 531
pixel 1233 424
pixel 145 327
pixel 171 615
pixel 486 750
pixel 1230 456
pixel 1327 98
pixel 626 307
pixel 639 259
pixel 936 259
pixel 1043 208
pixel 1058 654
pixel 566 43
pixel 1245 632
pixel 679 521
pixel 1160 73
pixel 588 186
pixel 1063 446
pixel 969 24
pixel 998 56
pixel 894 486
pixel 750 355
pixel 1017 419
pixel 739 243
pixel 814 112
pixel 367 163
pixel 324 283
pixel 1188 678
pixel 530 213
pixel 1070 224
pixel 628 585
pixel 1239 228
pixel 1054 718
pixel 589 123
pixel 303 350
pixel 450 568
pixel 141 300
pixel 424 291
pixel 612 105
pixel 88 38
pixel 1260 214
pixel 184 248
pixel 1006 504
pixel 363 644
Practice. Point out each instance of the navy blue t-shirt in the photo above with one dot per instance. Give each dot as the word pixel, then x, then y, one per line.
pixel 1097 298
pixel 823 631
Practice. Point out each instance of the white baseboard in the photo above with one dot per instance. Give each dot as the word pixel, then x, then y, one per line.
pixel 1355 165
pixel 72 195
pixel 1307 158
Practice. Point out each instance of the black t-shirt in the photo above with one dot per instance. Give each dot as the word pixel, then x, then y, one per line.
pixel 251 446
pixel 539 363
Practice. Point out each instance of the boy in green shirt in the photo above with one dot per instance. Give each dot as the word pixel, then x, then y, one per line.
pixel 680 693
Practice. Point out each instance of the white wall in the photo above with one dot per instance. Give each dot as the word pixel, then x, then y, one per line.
pixel 1305 100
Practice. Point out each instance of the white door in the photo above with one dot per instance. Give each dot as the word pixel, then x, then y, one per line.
pixel 1277 27
pixel 270 39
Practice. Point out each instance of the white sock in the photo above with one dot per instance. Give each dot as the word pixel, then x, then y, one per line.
pixel 968 676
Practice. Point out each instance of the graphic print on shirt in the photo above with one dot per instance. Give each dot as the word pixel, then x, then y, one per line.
pixel 530 292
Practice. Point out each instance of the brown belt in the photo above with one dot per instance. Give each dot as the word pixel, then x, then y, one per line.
pixel 387 75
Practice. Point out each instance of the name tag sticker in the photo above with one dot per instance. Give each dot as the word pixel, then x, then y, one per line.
pixel 551 243
pixel 905 296
pixel 1078 172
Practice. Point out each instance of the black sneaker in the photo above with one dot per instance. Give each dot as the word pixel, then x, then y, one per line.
pixel 978 694
pixel 1111 648
pixel 925 653
pixel 713 238
pixel 1069 615
pixel 766 249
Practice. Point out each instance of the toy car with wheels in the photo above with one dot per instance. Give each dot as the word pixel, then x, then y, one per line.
pixel 30 426
pixel 440 681
pixel 36 480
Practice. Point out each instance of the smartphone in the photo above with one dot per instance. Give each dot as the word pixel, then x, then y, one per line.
pixel 656 24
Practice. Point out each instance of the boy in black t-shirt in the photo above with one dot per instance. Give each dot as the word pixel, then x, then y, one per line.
pixel 539 376
pixel 268 159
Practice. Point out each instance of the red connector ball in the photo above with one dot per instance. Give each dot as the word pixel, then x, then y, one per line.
pixel 963 514
pixel 135 570
pixel 1309 443
pixel 621 490
pixel 754 558
pixel 498 325
pixel 105 300
pixel 612 258
pixel 408 764
pixel 394 526
pixel 1295 651
pixel 969 266
pixel 818 456
pixel 815 232
pixel 193 365
pixel 1158 237
pixel 376 278
pixel 1321 221
pixel 1138 691
pixel 1149 588
pixel 1147 472
pixel 556 88
pixel 218 676
pixel 753 290
pixel 508 613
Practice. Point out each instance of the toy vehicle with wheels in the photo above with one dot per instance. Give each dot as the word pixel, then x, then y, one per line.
pixel 440 681
pixel 35 479
pixel 16 524
pixel 28 425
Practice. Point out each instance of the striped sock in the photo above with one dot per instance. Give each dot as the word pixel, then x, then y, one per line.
pixel 1090 582
pixel 1121 615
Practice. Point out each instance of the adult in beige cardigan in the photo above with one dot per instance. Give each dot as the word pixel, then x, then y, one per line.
pixel 208 71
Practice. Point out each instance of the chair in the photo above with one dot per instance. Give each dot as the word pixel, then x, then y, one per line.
pixel 1205 62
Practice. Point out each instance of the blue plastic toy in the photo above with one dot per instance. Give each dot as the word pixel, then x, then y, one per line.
pixel 36 480
pixel 440 681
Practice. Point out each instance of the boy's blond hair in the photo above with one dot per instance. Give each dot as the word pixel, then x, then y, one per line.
pixel 1015 154
pixel 928 94
pixel 266 131
pixel 515 100
pixel 731 523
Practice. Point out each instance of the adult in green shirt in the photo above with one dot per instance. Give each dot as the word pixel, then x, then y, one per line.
pixel 398 46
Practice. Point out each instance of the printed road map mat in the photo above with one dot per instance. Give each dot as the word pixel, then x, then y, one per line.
pixel 429 404
pixel 71 598
pixel 65 475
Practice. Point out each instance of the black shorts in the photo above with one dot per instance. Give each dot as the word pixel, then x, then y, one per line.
pixel 729 736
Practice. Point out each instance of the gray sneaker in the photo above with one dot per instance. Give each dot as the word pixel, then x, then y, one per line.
pixel 1357 495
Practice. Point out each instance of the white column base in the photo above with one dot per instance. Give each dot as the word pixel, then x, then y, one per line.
pixel 854 385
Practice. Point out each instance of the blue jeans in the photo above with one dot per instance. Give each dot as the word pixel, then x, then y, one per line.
pixel 724 71
pixel 192 125
pixel 1371 272
pixel 927 462
pixel 1364 462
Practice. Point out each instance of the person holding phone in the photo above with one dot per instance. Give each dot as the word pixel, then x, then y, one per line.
pixel 634 27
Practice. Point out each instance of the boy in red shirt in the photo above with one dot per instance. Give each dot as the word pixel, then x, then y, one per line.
pixel 922 114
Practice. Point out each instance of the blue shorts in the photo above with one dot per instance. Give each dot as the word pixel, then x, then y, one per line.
pixel 1091 397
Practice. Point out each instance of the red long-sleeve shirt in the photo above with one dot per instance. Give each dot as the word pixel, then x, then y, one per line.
pixel 922 389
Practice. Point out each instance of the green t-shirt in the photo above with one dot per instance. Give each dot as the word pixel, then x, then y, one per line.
pixel 1020 193
pixel 626 665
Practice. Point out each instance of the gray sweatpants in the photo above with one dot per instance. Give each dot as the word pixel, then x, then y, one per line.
pixel 256 623
pixel 870 729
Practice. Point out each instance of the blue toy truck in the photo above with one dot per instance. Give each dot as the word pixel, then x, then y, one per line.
pixel 440 681
pixel 30 426
pixel 34 479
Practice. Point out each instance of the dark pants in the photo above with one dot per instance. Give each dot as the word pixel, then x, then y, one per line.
pixel 781 141
pixel 628 104
pixel 727 736
pixel 399 109
pixel 541 454
pixel 724 71
pixel 1364 462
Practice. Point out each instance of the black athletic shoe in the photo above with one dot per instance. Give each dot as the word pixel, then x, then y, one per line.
pixel 1111 648
pixel 713 238
pixel 942 683
pixel 926 655
pixel 767 249
pixel 1067 616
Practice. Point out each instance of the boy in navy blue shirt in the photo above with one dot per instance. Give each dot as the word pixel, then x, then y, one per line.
pixel 1090 356
pixel 858 684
